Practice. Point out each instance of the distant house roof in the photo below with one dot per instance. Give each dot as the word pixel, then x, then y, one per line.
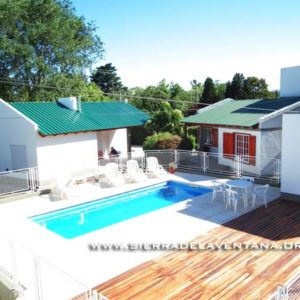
pixel 53 118
pixel 242 113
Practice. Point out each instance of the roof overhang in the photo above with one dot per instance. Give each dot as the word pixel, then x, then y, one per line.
pixel 278 112
pixel 35 125
pixel 222 125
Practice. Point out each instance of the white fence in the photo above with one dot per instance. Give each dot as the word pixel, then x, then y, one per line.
pixel 234 165
pixel 27 180
pixel 36 278
pixel 19 181
pixel 122 159
pixel 205 162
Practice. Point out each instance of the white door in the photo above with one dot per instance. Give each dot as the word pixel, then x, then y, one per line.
pixel 19 156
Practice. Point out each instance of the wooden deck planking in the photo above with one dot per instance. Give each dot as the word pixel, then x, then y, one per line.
pixel 220 274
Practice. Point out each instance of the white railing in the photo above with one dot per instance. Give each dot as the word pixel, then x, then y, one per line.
pixel 36 278
pixel 27 180
pixel 122 159
pixel 19 181
pixel 264 168
pixel 290 290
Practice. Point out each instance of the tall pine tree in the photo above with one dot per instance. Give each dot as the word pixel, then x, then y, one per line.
pixel 107 79
pixel 209 94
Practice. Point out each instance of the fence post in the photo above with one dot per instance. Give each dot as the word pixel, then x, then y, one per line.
pixel 282 293
pixel 277 170
pixel 37 277
pixel 238 165
pixel 14 266
pixel 204 155
pixel 175 156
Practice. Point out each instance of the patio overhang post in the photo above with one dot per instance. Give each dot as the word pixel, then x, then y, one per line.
pixel 185 130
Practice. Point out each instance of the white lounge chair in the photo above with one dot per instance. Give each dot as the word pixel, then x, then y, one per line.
pixel 154 169
pixel 134 172
pixel 66 188
pixel 112 175
pixel 260 193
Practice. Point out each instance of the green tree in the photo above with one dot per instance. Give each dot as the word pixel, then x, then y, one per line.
pixel 235 88
pixel 62 85
pixel 228 92
pixel 248 88
pixel 209 94
pixel 149 95
pixel 39 39
pixel 182 99
pixel 166 119
pixel 220 89
pixel 107 79
pixel 197 89
pixel 255 88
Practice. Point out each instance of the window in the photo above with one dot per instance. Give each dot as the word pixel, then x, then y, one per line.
pixel 211 136
pixel 242 146
pixel 207 136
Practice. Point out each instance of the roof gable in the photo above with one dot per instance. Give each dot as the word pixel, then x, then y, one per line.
pixel 54 118
pixel 244 113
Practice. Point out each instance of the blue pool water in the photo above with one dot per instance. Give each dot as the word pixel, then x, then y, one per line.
pixel 84 218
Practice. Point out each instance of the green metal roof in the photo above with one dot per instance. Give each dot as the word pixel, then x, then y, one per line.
pixel 54 118
pixel 245 113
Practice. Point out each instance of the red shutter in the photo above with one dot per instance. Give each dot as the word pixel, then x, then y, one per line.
pixel 252 149
pixel 228 145
pixel 215 137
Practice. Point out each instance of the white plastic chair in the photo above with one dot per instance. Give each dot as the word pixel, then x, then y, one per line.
pixel 248 178
pixel 112 175
pixel 233 197
pixel 260 192
pixel 251 180
pixel 134 172
pixel 218 189
pixel 154 169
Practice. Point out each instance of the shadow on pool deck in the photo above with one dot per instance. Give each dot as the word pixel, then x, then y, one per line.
pixel 216 212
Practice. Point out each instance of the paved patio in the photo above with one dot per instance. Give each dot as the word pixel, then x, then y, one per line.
pixel 177 223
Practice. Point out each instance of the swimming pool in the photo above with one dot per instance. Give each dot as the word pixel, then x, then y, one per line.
pixel 77 220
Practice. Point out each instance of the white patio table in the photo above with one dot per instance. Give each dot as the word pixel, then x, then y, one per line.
pixel 243 185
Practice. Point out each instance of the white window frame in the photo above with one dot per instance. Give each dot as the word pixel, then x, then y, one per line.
pixel 242 146
pixel 208 135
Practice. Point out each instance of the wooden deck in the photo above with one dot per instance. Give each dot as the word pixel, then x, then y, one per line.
pixel 233 274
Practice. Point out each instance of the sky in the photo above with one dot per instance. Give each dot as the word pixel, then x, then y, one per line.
pixel 182 40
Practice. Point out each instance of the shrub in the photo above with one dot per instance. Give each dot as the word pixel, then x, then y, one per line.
pixel 188 143
pixel 161 141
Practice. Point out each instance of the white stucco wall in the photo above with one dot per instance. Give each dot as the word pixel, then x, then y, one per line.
pixel 270 149
pixel 271 143
pixel 290 82
pixel 112 138
pixel 66 153
pixel 15 130
pixel 290 170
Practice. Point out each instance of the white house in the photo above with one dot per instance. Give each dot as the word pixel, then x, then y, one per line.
pixel 66 135
pixel 290 170
pixel 249 128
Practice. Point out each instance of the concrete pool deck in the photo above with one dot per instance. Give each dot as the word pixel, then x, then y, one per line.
pixel 177 223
